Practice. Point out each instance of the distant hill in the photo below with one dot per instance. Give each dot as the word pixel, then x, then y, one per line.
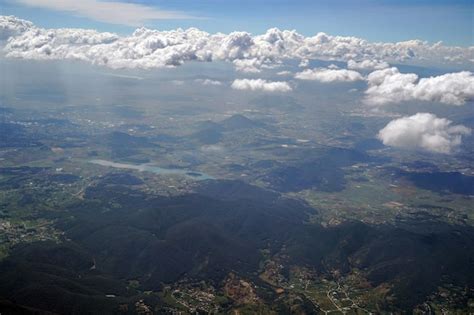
pixel 122 139
pixel 236 122
pixel 322 172
pixel 442 182
pixel 235 190
pixel 207 136
pixel 123 144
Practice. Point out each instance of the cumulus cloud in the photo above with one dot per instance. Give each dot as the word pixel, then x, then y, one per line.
pixel 11 26
pixel 367 65
pixel 248 65
pixel 391 86
pixel 108 11
pixel 147 48
pixel 261 85
pixel 424 131
pixel 208 82
pixel 329 75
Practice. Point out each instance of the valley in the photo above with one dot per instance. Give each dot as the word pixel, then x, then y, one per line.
pixel 131 222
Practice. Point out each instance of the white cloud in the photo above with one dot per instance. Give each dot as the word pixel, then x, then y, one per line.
pixel 208 82
pixel 391 86
pixel 284 73
pixel 329 75
pixel 303 63
pixel 212 148
pixel 424 131
pixel 108 11
pixel 248 65
pixel 147 48
pixel 367 65
pixel 261 85
pixel 12 26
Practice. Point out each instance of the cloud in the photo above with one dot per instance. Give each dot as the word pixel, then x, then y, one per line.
pixel 208 82
pixel 303 63
pixel 391 86
pixel 108 11
pixel 12 26
pixel 329 75
pixel 367 65
pixel 261 85
pixel 284 73
pixel 248 65
pixel 147 48
pixel 212 148
pixel 424 131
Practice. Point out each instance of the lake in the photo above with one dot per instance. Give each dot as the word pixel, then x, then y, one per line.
pixel 154 169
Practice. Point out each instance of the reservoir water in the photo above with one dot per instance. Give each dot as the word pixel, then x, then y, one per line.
pixel 154 169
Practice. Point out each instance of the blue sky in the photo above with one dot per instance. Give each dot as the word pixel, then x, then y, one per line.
pixel 434 20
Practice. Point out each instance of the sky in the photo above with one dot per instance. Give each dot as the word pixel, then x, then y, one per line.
pixel 361 48
pixel 449 21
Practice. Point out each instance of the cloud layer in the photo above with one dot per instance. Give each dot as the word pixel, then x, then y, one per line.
pixel 329 75
pixel 391 86
pixel 147 48
pixel 261 85
pixel 423 131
